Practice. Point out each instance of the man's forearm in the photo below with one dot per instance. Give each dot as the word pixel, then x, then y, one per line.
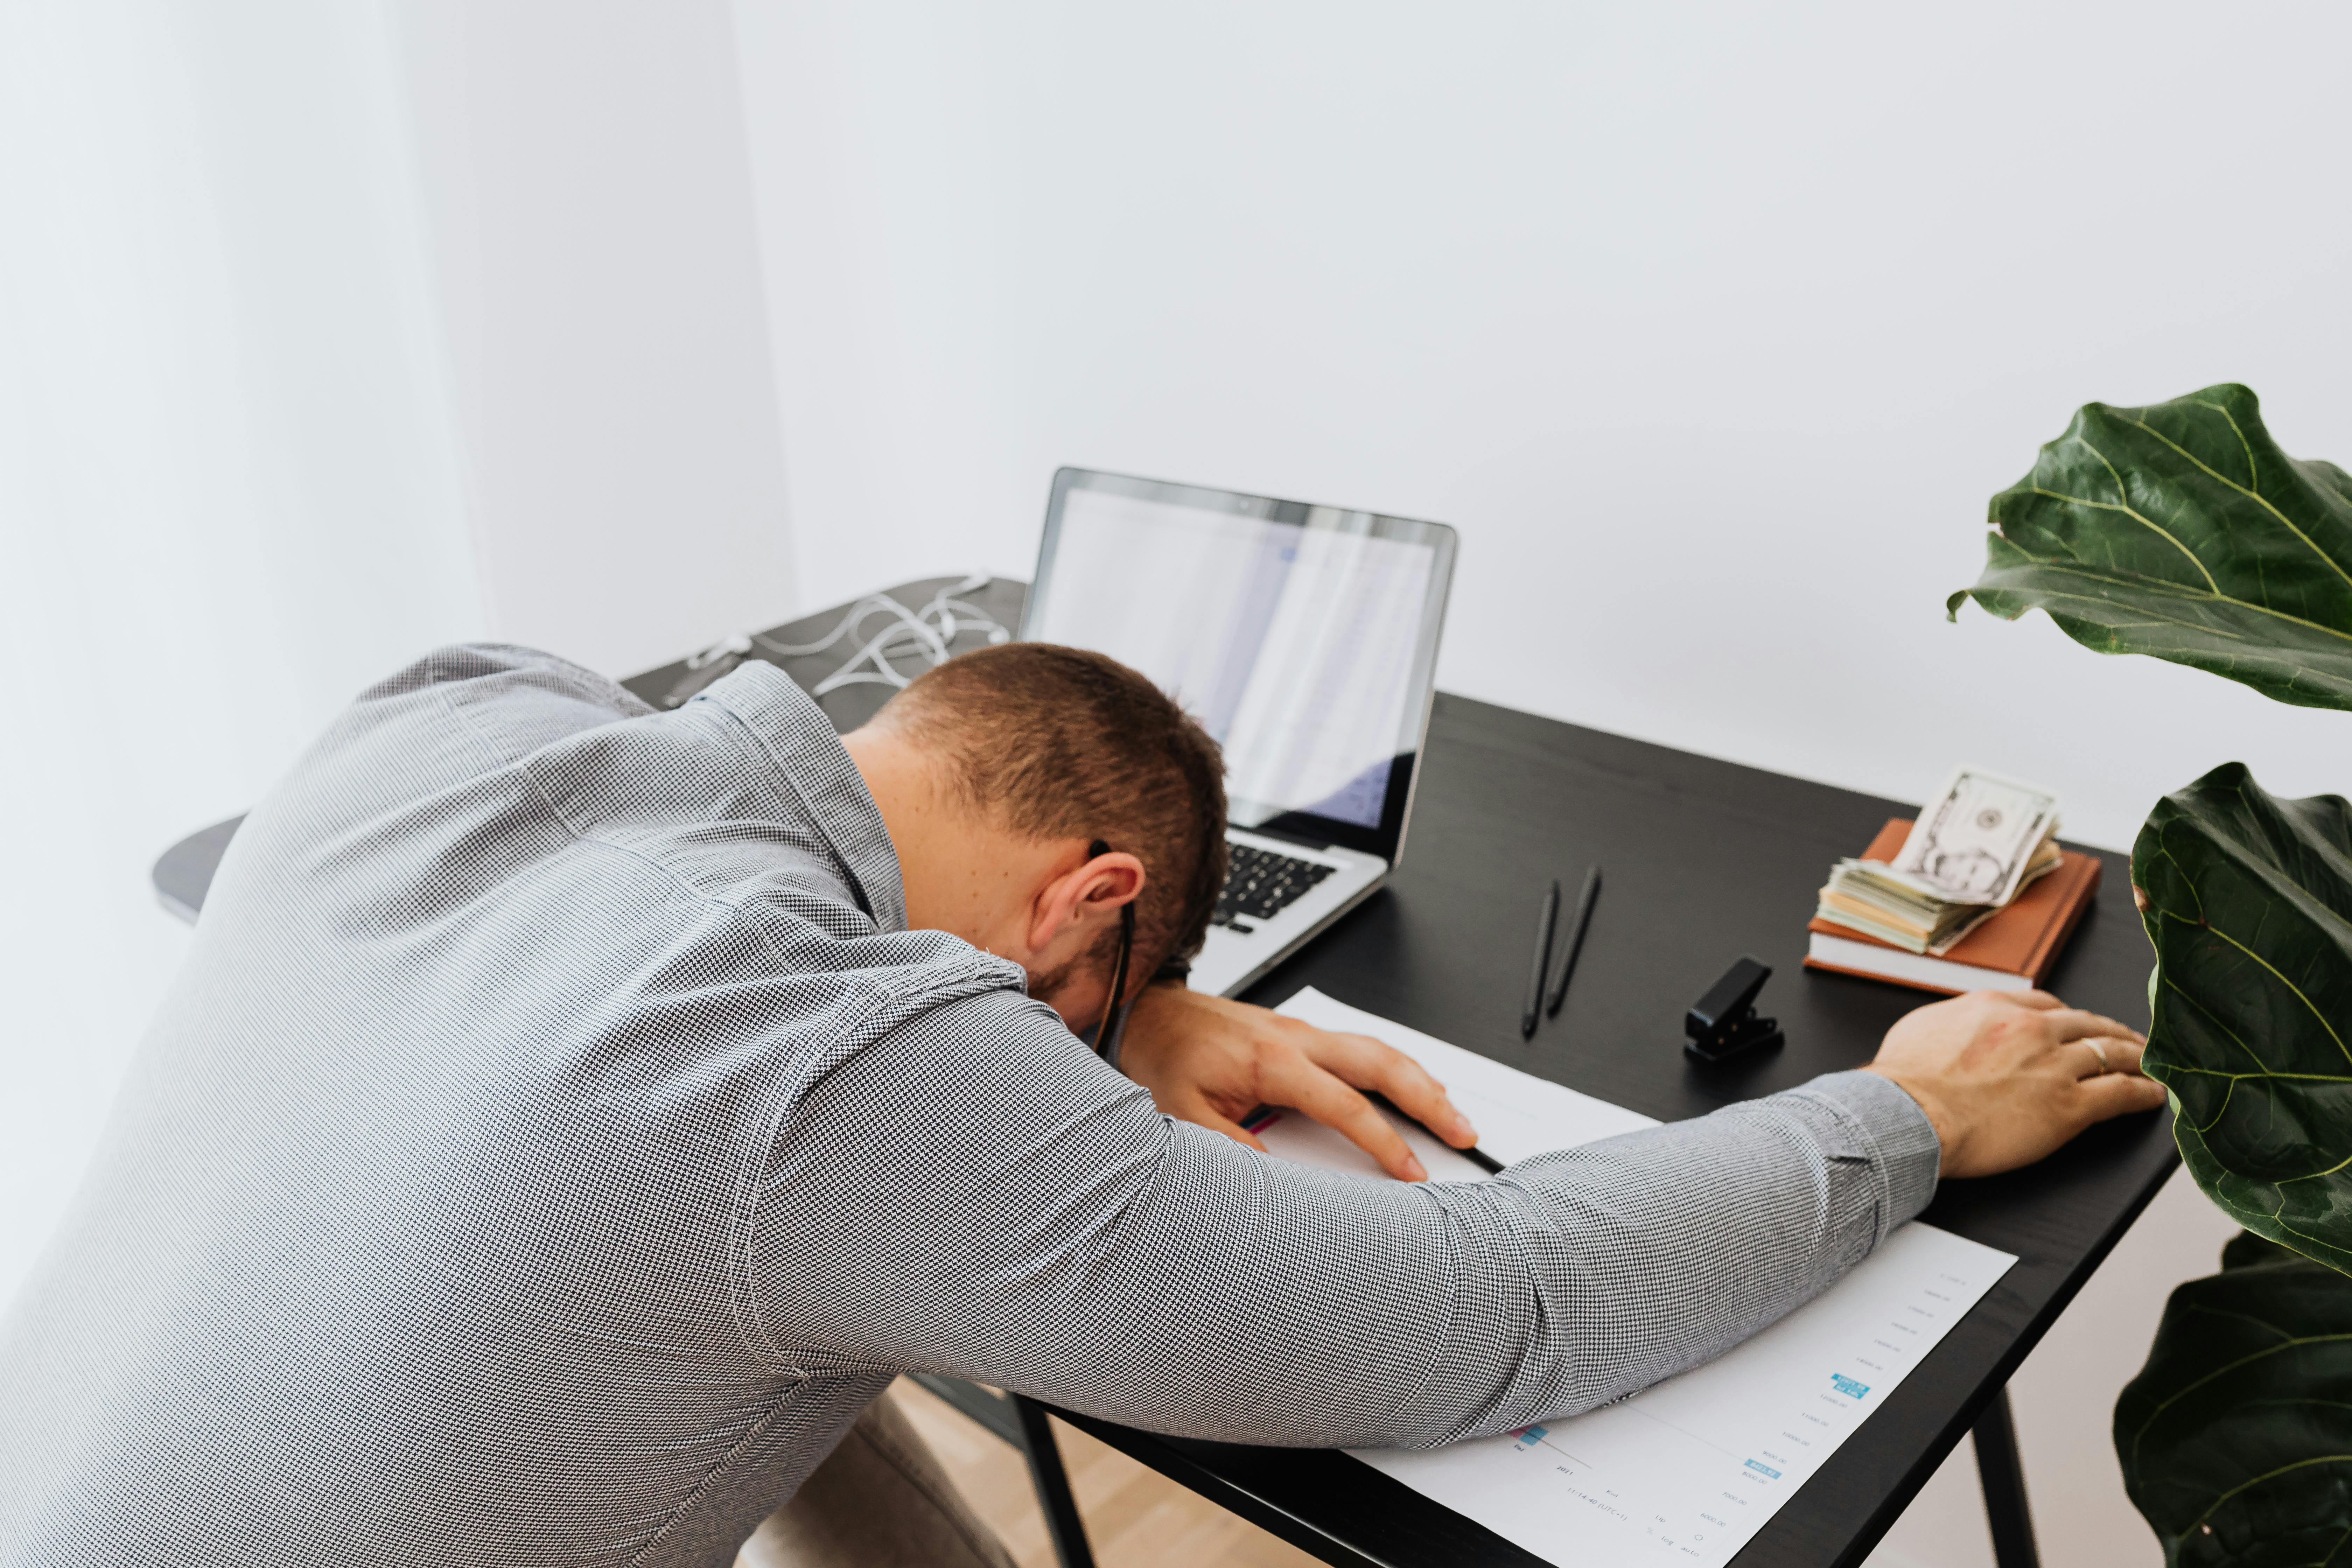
pixel 1657 1250
pixel 1029 1221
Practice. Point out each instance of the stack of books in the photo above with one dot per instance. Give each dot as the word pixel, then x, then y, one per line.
pixel 2013 949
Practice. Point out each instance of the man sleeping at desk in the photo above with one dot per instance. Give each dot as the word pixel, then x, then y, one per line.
pixel 572 1117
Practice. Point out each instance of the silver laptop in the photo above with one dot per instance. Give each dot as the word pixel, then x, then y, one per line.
pixel 1305 639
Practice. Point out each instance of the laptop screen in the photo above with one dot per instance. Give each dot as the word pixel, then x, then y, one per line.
pixel 1303 638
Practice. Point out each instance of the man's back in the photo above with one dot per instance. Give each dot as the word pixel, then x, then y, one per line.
pixel 557 1139
pixel 387 1235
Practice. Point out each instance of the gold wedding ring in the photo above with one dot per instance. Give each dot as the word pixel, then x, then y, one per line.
pixel 2105 1067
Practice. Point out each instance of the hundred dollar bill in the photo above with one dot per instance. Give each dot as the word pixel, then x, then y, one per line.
pixel 1974 842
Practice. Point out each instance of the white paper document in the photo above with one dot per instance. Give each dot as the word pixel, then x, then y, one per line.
pixel 1685 1471
pixel 1517 1115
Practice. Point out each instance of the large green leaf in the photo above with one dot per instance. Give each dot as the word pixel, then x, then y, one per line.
pixel 2248 900
pixel 2181 530
pixel 2236 1437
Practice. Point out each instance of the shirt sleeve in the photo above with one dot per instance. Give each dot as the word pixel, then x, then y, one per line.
pixel 976 1194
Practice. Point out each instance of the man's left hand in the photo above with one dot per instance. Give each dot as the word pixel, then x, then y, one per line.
pixel 1211 1061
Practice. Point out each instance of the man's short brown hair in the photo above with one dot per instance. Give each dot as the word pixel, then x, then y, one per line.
pixel 1062 744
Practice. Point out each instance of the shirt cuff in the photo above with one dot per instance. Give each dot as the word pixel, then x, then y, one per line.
pixel 1883 1124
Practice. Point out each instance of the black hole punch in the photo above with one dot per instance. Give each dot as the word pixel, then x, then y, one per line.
pixel 1723 1023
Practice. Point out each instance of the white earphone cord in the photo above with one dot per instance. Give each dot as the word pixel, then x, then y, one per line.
pixel 909 632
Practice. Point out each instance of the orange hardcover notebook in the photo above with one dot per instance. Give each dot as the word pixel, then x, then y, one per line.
pixel 2011 952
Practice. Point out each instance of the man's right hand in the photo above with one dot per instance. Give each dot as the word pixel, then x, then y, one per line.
pixel 2007 1075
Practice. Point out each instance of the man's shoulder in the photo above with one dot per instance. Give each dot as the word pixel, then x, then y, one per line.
pixel 476 740
pixel 456 664
pixel 518 788
pixel 517 699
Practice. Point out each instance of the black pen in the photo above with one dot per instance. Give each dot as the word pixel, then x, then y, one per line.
pixel 1584 901
pixel 1547 918
pixel 1475 1156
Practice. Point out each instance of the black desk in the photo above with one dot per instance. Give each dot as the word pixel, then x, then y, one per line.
pixel 1705 860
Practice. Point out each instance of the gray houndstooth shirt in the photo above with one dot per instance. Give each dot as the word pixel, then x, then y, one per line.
pixel 556 1138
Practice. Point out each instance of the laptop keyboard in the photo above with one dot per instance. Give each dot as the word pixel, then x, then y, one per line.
pixel 1261 884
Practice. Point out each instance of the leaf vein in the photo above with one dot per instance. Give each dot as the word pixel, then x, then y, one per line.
pixel 2255 496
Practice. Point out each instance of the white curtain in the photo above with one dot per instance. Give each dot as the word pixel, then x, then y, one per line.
pixel 229 484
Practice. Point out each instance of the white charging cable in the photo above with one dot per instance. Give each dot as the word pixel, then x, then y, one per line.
pixel 925 635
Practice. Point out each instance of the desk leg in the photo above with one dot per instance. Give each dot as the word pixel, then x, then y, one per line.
pixel 1052 1484
pixel 2003 1475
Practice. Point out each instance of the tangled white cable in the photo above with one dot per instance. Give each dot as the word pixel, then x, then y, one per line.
pixel 927 634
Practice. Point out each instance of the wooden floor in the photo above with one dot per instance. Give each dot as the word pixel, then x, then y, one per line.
pixel 1135 1518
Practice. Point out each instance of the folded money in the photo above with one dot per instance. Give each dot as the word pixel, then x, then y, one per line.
pixel 1876 901
pixel 1981 841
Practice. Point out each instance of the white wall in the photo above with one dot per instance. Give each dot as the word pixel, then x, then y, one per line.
pixel 228 485
pixel 1711 326
pixel 329 332
pixel 592 232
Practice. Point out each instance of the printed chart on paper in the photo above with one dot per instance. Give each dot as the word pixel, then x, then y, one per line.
pixel 1688 1470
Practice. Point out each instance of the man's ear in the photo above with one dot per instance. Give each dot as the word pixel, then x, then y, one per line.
pixel 1081 898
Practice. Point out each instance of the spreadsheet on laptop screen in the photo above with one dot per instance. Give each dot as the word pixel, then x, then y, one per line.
pixel 1293 645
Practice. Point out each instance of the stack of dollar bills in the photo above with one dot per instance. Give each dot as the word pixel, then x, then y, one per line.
pixel 1969 854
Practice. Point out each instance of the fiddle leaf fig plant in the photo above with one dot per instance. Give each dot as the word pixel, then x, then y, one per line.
pixel 2182 532
pixel 2236 1439
pixel 2248 900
